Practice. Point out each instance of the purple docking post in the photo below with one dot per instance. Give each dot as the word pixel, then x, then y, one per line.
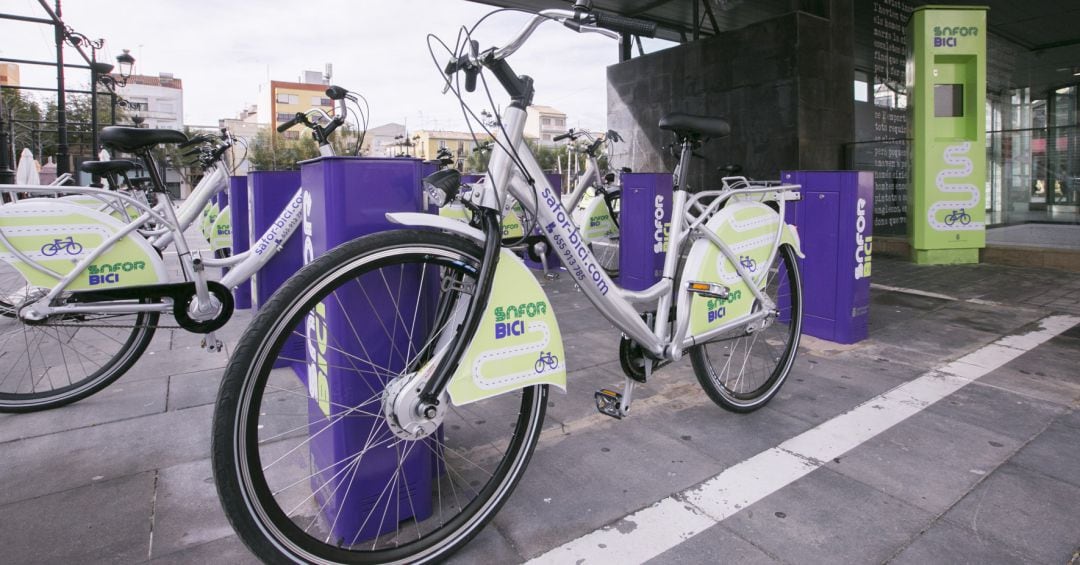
pixel 644 220
pixel 349 198
pixel 835 222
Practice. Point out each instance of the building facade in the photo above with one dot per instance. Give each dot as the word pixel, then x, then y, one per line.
pixel 158 100
pixel 9 74
pixel 427 144
pixel 288 98
pixel 544 123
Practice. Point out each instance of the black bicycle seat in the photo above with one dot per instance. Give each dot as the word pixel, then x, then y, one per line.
pixel 100 168
pixel 689 126
pixel 131 140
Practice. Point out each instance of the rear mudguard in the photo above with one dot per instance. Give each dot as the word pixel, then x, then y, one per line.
pixel 595 219
pixel 57 235
pixel 750 231
pixel 518 343
pixel 102 206
pixel 221 231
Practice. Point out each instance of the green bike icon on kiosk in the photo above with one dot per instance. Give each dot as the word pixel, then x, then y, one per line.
pixel 947 99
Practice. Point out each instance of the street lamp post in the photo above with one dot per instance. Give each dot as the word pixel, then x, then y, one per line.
pixel 101 72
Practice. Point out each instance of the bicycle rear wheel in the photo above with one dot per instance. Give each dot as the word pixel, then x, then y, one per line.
pixel 742 372
pixel 64 358
pixel 308 459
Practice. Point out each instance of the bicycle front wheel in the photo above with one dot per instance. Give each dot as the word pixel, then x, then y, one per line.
pixel 742 372
pixel 63 358
pixel 308 456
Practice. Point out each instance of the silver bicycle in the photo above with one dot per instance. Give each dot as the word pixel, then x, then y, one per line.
pixel 411 411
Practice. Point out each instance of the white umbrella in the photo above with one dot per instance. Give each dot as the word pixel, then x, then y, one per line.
pixel 26 172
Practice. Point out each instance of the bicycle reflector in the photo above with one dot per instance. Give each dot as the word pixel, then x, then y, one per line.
pixel 442 186
pixel 712 290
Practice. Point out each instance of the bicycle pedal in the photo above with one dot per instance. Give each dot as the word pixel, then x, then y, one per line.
pixel 609 403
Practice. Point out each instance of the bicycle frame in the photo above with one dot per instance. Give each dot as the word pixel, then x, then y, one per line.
pixel 617 304
pixel 243 266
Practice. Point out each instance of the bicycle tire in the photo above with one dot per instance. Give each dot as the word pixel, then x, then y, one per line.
pixel 733 391
pixel 90 357
pixel 245 435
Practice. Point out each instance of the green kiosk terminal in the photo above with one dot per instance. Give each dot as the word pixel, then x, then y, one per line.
pixel 946 78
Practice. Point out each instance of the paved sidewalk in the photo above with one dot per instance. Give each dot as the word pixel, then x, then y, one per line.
pixel 990 473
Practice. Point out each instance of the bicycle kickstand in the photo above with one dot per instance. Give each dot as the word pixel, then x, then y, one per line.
pixel 211 343
pixel 541 250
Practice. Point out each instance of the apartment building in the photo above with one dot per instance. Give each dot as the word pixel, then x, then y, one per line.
pixel 158 100
pixel 543 123
pixel 288 98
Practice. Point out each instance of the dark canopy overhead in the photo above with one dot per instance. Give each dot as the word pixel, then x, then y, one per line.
pixel 1048 29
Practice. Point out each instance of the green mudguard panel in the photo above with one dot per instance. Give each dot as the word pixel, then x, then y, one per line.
pixel 518 343
pixel 57 235
pixel 750 230
pixel 221 232
pixel 101 206
pixel 209 216
pixel 511 222
pixel 595 220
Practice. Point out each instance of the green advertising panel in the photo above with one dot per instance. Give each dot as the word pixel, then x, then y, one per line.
pixel 947 100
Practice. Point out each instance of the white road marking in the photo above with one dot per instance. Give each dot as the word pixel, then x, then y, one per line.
pixel 675 519
pixel 929 294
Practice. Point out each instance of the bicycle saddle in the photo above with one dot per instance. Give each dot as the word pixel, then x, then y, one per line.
pixel 102 168
pixel 686 125
pixel 130 139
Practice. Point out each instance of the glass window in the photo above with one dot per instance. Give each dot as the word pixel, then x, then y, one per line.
pixel 286 98
pixel 948 100
pixel 862 86
pixel 285 116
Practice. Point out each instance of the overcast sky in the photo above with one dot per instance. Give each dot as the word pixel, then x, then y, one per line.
pixel 226 52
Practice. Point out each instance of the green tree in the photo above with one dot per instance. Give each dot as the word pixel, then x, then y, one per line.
pixel 271 151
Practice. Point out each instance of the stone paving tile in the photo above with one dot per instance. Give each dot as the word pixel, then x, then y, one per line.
pixel 197 388
pixel 906 460
pixel 186 509
pixel 69 459
pixel 715 545
pixel 949 543
pixel 582 481
pixel 1053 453
pixel 997 410
pixel 104 522
pixel 229 550
pixel 489 546
pixel 888 308
pixel 123 399
pixel 1031 512
pixel 819 389
pixel 826 517
pixel 1025 382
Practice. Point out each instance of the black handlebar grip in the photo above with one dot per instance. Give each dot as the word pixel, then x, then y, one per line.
pixel 623 24
pixel 563 136
pixel 336 93
pixel 295 120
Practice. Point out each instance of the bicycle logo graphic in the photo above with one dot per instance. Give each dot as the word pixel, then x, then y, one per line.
pixel 69 245
pixel 958 216
pixel 748 262
pixel 546 360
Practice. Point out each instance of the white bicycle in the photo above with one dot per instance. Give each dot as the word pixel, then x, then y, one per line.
pixel 86 283
pixel 419 398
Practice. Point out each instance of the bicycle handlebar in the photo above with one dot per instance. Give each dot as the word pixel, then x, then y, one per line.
pixel 623 24
pixel 299 118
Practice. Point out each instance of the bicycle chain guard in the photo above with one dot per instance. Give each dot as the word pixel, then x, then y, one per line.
pixel 182 295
